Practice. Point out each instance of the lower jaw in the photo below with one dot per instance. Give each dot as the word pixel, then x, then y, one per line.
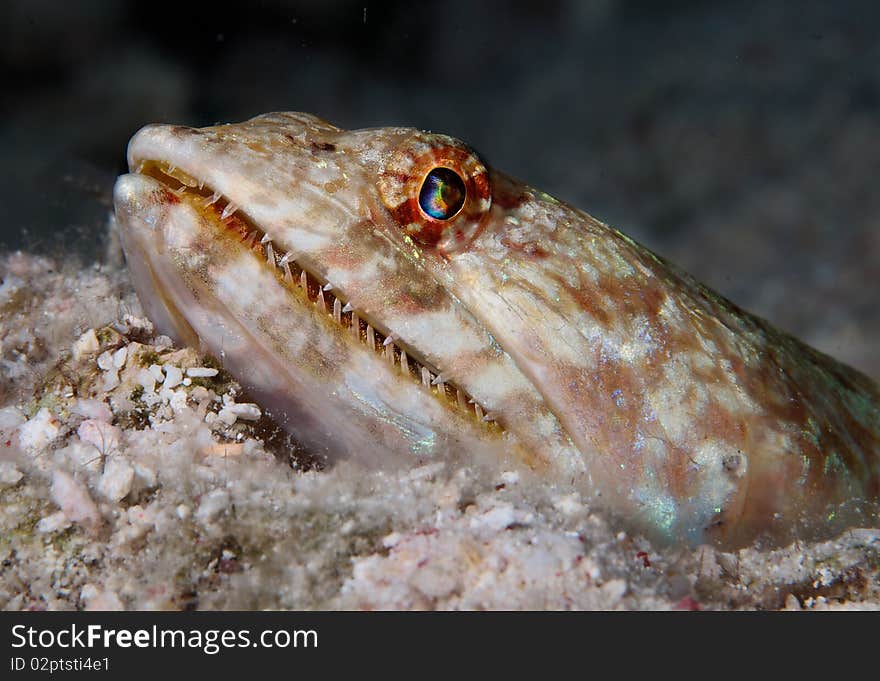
pixel 319 383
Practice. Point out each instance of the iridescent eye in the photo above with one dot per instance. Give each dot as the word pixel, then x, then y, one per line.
pixel 437 191
pixel 442 194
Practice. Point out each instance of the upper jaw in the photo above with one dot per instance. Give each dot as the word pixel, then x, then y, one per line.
pixel 318 207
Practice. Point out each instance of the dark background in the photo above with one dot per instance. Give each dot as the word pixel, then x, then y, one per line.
pixel 741 140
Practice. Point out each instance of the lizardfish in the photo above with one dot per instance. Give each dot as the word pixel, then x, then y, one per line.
pixel 389 297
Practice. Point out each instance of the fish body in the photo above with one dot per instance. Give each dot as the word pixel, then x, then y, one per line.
pixel 390 298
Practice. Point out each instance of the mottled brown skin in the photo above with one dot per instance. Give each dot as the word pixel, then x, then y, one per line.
pixel 825 475
pixel 595 362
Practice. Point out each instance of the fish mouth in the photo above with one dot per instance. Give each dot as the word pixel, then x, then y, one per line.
pixel 230 221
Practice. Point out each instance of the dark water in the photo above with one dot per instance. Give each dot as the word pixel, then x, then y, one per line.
pixel 740 139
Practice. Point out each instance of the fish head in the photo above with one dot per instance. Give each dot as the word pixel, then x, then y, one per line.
pixel 314 263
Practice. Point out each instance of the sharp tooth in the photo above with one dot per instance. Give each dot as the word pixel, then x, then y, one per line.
pixel 337 311
pixel 283 263
pixel 438 379
pixel 319 301
pixel 328 287
pixel 266 239
pixel 426 377
pixel 214 198
pixel 462 401
pixel 404 362
pixel 228 210
pixel 389 351
pixel 389 339
pixel 489 417
pixel 348 308
pixel 355 325
pixel 171 170
pixel 371 337
pixel 270 254
pixel 304 281
pixel 478 410
pixel 201 185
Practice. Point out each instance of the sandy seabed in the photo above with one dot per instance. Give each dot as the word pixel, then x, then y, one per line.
pixel 137 475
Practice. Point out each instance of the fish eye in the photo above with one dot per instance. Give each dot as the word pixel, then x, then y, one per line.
pixel 442 194
pixel 436 190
